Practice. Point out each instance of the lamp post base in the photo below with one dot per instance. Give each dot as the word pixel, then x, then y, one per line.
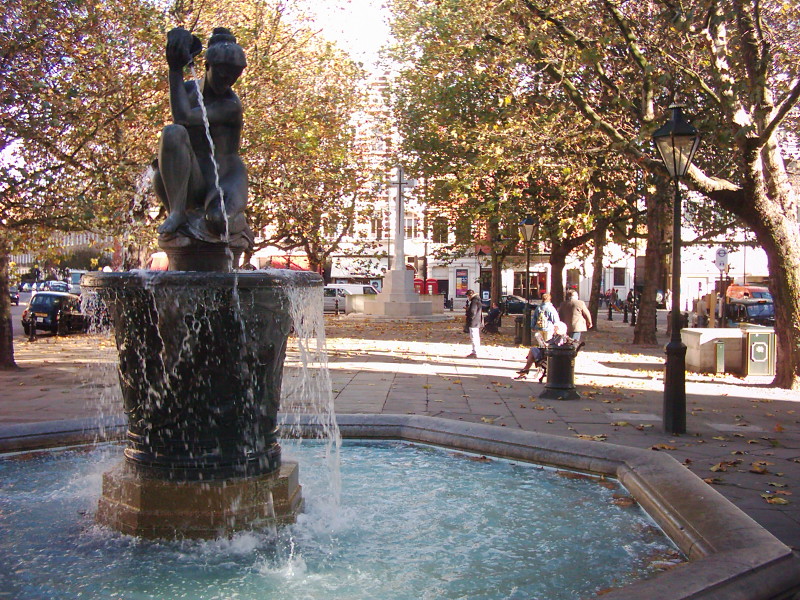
pixel 526 325
pixel 675 388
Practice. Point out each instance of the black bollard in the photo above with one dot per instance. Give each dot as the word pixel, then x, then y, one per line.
pixel 610 313
pixel 560 373
pixel 625 313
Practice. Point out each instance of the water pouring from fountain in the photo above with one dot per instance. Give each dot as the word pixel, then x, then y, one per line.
pixel 201 346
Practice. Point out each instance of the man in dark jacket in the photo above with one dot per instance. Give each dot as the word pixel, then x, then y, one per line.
pixel 473 322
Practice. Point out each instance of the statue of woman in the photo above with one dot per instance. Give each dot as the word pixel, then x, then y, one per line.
pixel 203 187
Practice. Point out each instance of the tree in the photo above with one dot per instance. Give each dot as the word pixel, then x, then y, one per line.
pixel 737 72
pixel 77 94
pixel 507 142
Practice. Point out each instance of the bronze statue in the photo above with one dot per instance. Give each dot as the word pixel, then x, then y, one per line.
pixel 204 188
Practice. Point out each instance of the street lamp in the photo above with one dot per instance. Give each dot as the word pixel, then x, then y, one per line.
pixel 526 235
pixel 677 141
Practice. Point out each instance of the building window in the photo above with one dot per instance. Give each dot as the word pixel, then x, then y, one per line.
pixel 412 227
pixel 619 276
pixel 440 230
pixel 376 227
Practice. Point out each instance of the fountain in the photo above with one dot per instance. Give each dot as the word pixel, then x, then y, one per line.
pixel 200 378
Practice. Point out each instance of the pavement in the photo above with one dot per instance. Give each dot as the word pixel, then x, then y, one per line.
pixel 743 437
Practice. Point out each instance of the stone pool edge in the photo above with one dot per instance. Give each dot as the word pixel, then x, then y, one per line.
pixel 731 556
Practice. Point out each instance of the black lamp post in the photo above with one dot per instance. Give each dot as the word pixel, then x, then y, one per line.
pixel 526 235
pixel 677 141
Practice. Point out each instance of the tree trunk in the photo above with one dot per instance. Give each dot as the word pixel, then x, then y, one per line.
pixel 497 281
pixel 597 272
pixel 6 329
pixel 558 259
pixel 658 221
pixel 774 221
pixel 497 262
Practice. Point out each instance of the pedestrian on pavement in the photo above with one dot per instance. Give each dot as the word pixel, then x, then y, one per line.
pixel 574 313
pixel 473 320
pixel 492 324
pixel 543 320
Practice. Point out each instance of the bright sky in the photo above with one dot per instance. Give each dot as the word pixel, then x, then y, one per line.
pixel 358 26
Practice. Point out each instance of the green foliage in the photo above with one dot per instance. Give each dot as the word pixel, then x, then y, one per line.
pixel 79 98
pixel 474 114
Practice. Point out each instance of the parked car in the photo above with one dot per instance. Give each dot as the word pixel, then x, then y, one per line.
pixel 741 292
pixel 14 296
pixel 58 312
pixel 509 304
pixel 759 311
pixel 334 292
pixel 55 286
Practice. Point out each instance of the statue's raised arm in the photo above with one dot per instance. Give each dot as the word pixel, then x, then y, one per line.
pixel 199 175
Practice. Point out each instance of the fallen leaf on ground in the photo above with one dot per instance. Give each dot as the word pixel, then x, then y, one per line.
pixel 772 499
pixel 662 447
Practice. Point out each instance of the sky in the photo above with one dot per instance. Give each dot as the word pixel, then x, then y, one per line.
pixel 358 26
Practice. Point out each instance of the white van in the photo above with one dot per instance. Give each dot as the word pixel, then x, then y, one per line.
pixel 339 291
pixel 75 281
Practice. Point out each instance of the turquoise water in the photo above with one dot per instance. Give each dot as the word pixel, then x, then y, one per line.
pixel 414 522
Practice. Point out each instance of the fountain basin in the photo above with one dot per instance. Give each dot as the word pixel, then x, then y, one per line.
pixel 200 368
pixel 730 556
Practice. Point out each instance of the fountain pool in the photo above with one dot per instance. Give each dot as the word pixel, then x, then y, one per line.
pixel 730 556
pixel 414 522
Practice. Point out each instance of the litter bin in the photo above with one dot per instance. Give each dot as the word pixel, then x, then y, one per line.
pixel 518 330
pixel 560 373
pixel 759 349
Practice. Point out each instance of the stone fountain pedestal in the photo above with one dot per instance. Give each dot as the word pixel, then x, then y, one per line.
pixel 157 508
pixel 200 364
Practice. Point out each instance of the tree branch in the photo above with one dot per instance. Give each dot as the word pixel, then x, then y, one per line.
pixel 647 110
pixel 780 112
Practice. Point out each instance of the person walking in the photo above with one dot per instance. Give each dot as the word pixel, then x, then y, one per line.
pixel 574 313
pixel 473 320
pixel 543 320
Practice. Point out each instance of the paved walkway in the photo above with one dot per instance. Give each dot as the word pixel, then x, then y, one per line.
pixel 743 437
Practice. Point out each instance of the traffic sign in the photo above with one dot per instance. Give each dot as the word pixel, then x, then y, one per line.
pixel 721 258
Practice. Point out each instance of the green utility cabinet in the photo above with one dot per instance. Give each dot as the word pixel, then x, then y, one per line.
pixel 759 351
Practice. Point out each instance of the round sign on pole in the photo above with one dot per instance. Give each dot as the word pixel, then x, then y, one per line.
pixel 721 258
